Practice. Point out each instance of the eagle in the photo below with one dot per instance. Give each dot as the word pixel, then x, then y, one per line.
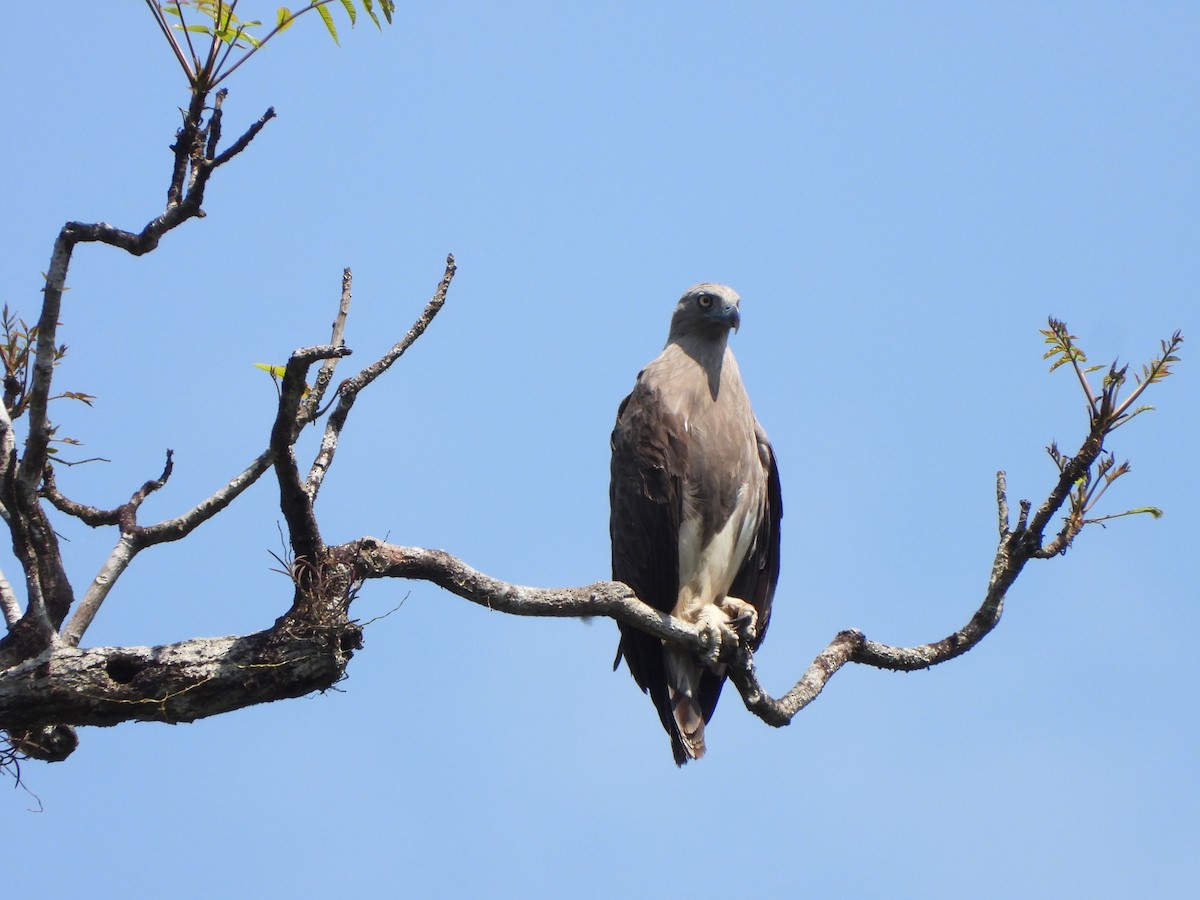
pixel 695 508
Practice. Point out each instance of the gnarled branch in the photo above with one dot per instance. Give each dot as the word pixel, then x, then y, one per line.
pixel 178 682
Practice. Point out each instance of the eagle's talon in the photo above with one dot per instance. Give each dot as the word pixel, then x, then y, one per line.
pixel 718 635
pixel 714 642
pixel 742 617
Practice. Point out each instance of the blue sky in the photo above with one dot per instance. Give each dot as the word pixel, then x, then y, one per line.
pixel 901 193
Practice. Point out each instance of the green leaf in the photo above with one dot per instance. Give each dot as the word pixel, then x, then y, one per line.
pixel 76 395
pixel 1140 511
pixel 351 11
pixel 284 18
pixel 327 18
pixel 1137 412
pixel 369 6
pixel 279 372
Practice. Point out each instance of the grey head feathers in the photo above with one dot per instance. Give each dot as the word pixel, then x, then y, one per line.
pixel 706 310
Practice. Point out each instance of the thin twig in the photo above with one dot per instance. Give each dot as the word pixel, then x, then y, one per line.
pixel 311 404
pixel 1002 503
pixel 89 515
pixel 166 30
pixel 349 390
pixel 1083 382
pixel 270 34
pixel 135 538
pixel 181 526
pixel 241 143
pixel 123 515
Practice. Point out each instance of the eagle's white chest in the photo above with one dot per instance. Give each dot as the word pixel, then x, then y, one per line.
pixel 706 571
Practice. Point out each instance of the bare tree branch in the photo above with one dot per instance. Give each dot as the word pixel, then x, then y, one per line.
pixel 371 558
pixel 244 141
pixel 47 587
pixel 124 515
pixel 36 546
pixel 181 526
pixel 8 599
pixel 295 503
pixel 8 444
pixel 173 683
pixel 38 439
pixel 349 390
pixel 310 406
pixel 118 561
pixel 89 515
pixel 135 538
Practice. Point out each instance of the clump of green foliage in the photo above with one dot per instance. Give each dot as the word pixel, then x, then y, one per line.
pixel 228 40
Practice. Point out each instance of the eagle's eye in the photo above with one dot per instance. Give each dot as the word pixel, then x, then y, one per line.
pixel 704 301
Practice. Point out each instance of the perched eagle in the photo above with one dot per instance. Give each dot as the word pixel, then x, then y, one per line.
pixel 695 510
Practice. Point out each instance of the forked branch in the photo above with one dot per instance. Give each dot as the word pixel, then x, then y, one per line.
pixel 349 390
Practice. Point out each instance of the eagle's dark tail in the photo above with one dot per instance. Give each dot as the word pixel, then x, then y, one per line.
pixel 683 689
pixel 684 697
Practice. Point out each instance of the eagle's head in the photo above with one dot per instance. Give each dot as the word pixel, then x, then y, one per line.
pixel 706 309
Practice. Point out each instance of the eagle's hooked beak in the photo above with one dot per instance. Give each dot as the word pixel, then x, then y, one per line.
pixel 731 315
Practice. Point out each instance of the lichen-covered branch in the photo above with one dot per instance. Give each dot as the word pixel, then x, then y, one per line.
pixel 371 558
pixel 173 683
